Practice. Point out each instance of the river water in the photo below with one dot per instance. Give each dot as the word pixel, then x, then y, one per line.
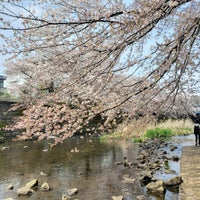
pixel 87 164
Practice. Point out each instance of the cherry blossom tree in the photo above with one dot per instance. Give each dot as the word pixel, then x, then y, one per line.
pixel 80 60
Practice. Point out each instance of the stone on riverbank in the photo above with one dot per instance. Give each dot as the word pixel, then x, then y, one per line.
pixel 24 191
pixel 156 187
pixel 173 181
pixel 127 179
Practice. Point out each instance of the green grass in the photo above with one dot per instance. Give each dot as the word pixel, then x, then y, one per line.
pixel 158 133
pixel 166 165
pixel 138 140
pixel 178 127
pixel 154 133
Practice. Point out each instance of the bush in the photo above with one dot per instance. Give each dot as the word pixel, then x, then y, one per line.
pixel 158 133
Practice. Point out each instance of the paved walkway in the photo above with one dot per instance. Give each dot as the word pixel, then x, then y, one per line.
pixel 190 172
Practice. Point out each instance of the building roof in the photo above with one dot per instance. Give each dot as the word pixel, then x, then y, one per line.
pixel 2 77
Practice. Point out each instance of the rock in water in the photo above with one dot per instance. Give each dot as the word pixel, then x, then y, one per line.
pixel 45 186
pixel 156 187
pixel 8 199
pixel 24 191
pixel 117 197
pixel 72 191
pixel 10 186
pixel 65 197
pixel 173 181
pixel 33 183
pixel 4 148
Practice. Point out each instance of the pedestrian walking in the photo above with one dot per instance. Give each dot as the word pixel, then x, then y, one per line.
pixel 197 134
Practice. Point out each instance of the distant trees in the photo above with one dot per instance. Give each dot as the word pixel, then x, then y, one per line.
pixel 105 58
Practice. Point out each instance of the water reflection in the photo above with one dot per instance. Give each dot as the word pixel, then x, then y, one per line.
pixel 91 169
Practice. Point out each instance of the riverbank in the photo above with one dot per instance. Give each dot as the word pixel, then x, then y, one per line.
pixel 140 130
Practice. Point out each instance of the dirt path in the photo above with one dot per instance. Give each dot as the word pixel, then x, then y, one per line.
pixel 190 172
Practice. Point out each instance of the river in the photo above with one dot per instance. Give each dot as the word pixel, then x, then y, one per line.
pixel 87 164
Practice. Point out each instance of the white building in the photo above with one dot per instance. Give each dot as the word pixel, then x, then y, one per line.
pixel 2 79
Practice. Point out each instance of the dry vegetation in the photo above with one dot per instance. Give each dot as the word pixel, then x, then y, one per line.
pixel 138 128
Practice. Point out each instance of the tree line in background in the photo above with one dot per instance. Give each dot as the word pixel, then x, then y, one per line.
pixel 80 66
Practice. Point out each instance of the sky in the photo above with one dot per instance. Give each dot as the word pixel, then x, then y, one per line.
pixel 2 68
pixel 2 57
pixel 27 4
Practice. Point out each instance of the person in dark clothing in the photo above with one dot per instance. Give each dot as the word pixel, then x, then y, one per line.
pixel 197 134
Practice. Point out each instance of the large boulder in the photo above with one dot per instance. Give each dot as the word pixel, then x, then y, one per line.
pixel 24 191
pixel 156 187
pixel 177 180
